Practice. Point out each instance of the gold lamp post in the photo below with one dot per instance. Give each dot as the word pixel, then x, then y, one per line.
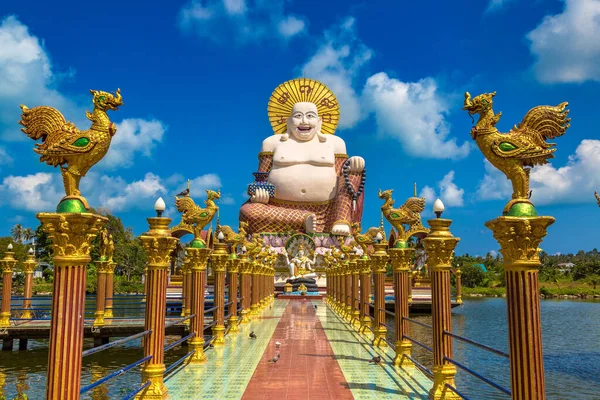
pixel 29 267
pixel 219 262
pixel 401 256
pixel 198 254
pixel 233 269
pixel 158 244
pixel 458 274
pixel 101 271
pixel 245 271
pixel 440 245
pixel 110 285
pixel 379 260
pixel 8 264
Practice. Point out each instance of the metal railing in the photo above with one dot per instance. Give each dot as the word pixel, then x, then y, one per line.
pixel 115 343
pixel 114 375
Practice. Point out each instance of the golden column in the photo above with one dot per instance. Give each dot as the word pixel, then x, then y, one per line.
pixel 355 292
pixel 401 256
pixel 519 238
pixel 71 234
pixel 198 255
pixel 233 269
pixel 379 260
pixel 8 264
pixel 365 293
pixel 28 266
pixel 254 287
pixel 219 262
pixel 110 285
pixel 188 304
pixel 337 290
pixel 348 284
pixel 101 270
pixel 158 244
pixel 440 245
pixel 342 283
pixel 245 271
pixel 184 285
pixel 458 274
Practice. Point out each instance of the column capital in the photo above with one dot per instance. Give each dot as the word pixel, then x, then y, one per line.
pixel 364 265
pixel 158 243
pixel 71 234
pixel 8 262
pixel 198 258
pixel 29 264
pixel 102 266
pixel 379 258
pixel 233 265
pixel 519 238
pixel 401 258
pixel 440 244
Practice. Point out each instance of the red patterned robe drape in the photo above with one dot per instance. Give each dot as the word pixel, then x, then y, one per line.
pixel 289 216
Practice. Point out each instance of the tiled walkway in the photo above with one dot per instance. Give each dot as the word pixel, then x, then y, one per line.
pixel 307 368
pixel 321 358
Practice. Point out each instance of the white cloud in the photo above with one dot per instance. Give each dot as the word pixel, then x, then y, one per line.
pixel 493 253
pixel 26 77
pixel 118 195
pixel 133 135
pixel 414 113
pixel 573 183
pixel 36 192
pixel 496 5
pixel 567 45
pixel 219 20
pixel 449 192
pixel 336 64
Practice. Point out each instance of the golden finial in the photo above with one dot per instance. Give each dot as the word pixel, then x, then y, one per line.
pixel 415 189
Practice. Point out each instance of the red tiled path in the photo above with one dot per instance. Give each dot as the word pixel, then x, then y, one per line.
pixel 307 368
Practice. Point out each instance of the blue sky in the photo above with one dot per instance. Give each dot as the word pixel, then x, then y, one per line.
pixel 196 77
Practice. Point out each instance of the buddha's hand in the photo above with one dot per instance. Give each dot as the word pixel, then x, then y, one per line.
pixel 357 164
pixel 341 229
pixel 260 196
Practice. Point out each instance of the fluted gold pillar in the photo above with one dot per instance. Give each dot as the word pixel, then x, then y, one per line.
pixel 8 265
pixel 348 284
pixel 101 271
pixel 255 289
pixel 401 256
pixel 365 293
pixel 71 235
pixel 440 245
pixel 245 272
pixel 379 260
pixel 233 269
pixel 198 255
pixel 519 238
pixel 110 285
pixel 29 267
pixel 355 290
pixel 158 244
pixel 219 263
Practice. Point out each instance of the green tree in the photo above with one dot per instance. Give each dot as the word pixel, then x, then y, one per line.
pixel 17 233
pixel 28 234
pixel 593 279
pixel 472 275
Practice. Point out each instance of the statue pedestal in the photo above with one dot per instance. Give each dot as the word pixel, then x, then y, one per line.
pixel 310 283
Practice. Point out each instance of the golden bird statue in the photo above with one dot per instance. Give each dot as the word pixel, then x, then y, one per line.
pixel 408 214
pixel 364 240
pixel 524 146
pixel 195 217
pixel 233 238
pixel 74 150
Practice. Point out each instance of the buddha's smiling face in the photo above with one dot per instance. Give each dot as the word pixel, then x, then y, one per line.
pixel 304 123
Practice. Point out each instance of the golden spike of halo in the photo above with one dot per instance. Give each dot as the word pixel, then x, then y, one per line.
pixel 297 90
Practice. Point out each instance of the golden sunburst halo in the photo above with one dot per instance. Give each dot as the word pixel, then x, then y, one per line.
pixel 303 90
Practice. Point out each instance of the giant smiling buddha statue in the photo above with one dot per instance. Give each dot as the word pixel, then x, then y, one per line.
pixel 312 184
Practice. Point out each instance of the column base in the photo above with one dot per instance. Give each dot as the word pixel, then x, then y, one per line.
pixel 4 319
pixel 348 313
pixel 98 318
pixel 365 325
pixel 108 312
pixel 379 336
pixel 157 389
pixel 198 357
pixel 441 376
pixel 233 324
pixel 356 319
pixel 253 311
pixel 459 300
pixel 26 315
pixel 403 349
pixel 219 333
pixel 245 318
pixel 187 313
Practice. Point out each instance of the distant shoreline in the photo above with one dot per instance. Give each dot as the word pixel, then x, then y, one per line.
pixel 545 292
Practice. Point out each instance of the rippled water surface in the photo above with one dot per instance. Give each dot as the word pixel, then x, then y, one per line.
pixel 571 338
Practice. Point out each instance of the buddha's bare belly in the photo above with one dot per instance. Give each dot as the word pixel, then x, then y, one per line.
pixel 304 182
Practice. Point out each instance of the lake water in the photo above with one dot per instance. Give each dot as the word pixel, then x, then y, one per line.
pixel 571 339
